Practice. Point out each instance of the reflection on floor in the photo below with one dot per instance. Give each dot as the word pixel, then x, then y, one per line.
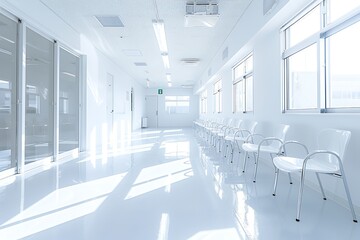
pixel 164 184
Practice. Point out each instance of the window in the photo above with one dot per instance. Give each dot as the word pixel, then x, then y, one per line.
pixel 320 58
pixel 344 72
pixel 243 85
pixel 203 102
pixel 218 96
pixel 177 104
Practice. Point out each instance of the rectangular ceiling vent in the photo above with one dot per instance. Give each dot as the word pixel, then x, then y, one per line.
pixel 187 86
pixel 109 21
pixel 140 64
pixel 190 62
pixel 201 15
pixel 202 9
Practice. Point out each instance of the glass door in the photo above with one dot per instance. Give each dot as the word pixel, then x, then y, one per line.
pixel 68 101
pixel 39 109
pixel 8 53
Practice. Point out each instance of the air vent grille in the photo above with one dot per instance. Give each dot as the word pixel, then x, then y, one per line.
pixel 191 62
pixel 140 64
pixel 110 21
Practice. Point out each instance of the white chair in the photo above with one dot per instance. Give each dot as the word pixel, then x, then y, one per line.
pixel 269 145
pixel 328 159
pixel 228 132
pixel 238 136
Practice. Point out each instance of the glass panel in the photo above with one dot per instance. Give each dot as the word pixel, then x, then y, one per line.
pixel 8 52
pixel 249 94
pixel 177 104
pixel 68 101
pixel 338 8
pixel 220 102
pixel 239 71
pixel 39 116
pixel 183 98
pixel 302 79
pixel 304 27
pixel 344 79
pixel 249 64
pixel 170 98
pixel 238 96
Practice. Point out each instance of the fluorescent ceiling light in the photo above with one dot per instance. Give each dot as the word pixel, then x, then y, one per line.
pixel 5 52
pixel 169 84
pixel 147 83
pixel 166 61
pixel 160 35
pixel 7 39
pixel 69 74
pixel 132 52
pixel 168 77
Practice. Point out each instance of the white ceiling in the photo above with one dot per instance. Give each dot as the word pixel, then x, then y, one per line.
pixel 138 34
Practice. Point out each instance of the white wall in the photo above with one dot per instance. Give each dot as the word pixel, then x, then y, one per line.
pixel 176 120
pixel 98 66
pixel 265 44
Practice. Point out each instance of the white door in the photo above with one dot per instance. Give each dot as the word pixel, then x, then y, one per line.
pixel 110 106
pixel 152 111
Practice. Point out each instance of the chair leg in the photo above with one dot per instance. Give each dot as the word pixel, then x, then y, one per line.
pixel 224 148
pixel 245 158
pixel 256 166
pixel 276 180
pixel 321 187
pixel 232 153
pixel 290 180
pixel 301 189
pixel 349 197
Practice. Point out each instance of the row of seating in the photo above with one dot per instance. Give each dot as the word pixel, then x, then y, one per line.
pixel 228 135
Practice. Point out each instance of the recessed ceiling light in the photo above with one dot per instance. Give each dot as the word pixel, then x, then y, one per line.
pixel 110 21
pixel 190 62
pixel 140 64
pixel 132 52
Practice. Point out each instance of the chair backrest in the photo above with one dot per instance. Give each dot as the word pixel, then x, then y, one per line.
pixel 279 131
pixel 237 122
pixel 333 140
pixel 248 125
pixel 230 122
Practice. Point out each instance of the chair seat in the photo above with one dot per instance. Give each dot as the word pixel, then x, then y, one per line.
pixel 292 164
pixel 250 147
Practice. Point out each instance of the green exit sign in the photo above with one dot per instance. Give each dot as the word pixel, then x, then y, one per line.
pixel 160 91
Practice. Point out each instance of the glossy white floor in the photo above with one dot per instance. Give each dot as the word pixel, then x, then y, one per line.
pixel 165 185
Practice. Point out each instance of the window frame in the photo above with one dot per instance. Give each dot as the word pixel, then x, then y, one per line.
pixel 217 92
pixel 177 100
pixel 320 39
pixel 243 79
pixel 203 101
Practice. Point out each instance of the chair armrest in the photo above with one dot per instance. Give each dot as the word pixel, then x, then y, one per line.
pixel 283 149
pixel 240 132
pixel 270 139
pixel 250 138
pixel 317 152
